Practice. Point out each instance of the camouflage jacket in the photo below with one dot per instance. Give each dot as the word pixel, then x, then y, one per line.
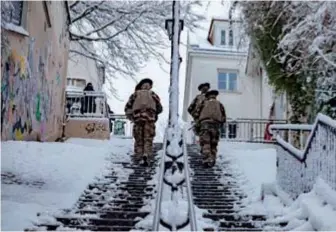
pixel 193 105
pixel 146 115
pixel 200 106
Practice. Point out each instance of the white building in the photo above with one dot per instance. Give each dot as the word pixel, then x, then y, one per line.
pixel 82 70
pixel 226 61
pixel 272 105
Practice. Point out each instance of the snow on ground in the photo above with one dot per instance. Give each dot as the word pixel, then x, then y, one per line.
pixel 253 164
pixel 313 211
pixel 47 177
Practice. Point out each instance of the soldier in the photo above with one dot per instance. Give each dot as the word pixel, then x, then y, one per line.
pixel 204 87
pixel 211 115
pixel 142 108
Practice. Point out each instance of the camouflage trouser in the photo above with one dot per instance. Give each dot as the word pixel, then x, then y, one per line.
pixel 144 133
pixel 197 129
pixel 209 137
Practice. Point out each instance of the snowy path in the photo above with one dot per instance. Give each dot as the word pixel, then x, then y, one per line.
pixel 223 194
pixel 111 203
pixel 47 177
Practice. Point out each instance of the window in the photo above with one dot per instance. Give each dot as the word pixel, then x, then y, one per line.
pixel 227 81
pixel 15 14
pixel 223 37
pixel 230 37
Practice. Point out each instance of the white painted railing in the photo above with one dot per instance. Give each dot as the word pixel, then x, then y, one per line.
pixel 298 169
pixel 246 130
pixel 90 104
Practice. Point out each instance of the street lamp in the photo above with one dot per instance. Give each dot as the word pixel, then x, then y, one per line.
pixel 169 27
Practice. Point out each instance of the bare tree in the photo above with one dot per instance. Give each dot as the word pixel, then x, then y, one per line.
pixel 125 34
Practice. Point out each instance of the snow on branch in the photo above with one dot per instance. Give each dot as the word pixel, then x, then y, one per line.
pixel 126 34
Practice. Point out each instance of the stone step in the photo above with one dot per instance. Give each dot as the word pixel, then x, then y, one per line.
pixel 210 177
pixel 102 228
pixel 237 224
pixel 213 193
pixel 212 188
pixel 238 229
pixel 115 208
pixel 110 213
pixel 214 202
pixel 77 221
pixel 216 197
pixel 234 217
pixel 218 206
pixel 118 203
pixel 135 184
pixel 114 201
pixel 214 185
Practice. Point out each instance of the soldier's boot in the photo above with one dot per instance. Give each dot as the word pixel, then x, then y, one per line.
pixel 145 160
pixel 209 162
pixel 205 159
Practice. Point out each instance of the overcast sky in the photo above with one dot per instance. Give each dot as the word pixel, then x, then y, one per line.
pixel 161 77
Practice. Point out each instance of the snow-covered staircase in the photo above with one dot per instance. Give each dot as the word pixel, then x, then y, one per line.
pixel 217 191
pixel 94 210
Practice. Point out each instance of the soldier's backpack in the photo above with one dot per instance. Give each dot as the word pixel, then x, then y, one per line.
pixel 144 101
pixel 211 111
pixel 199 99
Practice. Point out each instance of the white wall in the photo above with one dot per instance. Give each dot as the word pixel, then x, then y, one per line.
pixel 83 68
pixel 241 104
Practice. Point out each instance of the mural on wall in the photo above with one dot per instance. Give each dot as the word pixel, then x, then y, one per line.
pixel 26 95
pixel 95 127
pixel 16 95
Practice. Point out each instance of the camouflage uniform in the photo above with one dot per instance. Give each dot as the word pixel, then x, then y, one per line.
pixel 144 125
pixel 192 110
pixel 210 131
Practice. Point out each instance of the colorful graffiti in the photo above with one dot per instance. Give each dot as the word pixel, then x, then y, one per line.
pixel 93 127
pixel 25 93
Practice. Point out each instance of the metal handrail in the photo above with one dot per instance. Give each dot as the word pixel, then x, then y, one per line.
pixel 192 215
pixel 157 211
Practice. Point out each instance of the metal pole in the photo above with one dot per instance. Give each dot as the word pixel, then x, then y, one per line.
pixel 174 88
pixel 171 65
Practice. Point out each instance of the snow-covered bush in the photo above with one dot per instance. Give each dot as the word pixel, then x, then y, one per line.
pixel 296 42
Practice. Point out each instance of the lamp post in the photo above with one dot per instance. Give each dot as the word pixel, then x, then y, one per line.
pixel 174 28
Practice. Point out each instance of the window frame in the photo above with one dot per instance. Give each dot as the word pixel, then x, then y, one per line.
pixel 227 80
pixel 21 28
pixel 221 37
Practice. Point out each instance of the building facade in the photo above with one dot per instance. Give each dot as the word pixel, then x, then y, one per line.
pixel 273 105
pixel 221 60
pixel 35 45
pixel 83 70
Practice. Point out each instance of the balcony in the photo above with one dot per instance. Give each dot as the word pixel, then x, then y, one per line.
pixel 86 114
pixel 85 104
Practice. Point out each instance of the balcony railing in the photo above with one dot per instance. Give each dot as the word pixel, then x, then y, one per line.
pixel 247 130
pixel 86 104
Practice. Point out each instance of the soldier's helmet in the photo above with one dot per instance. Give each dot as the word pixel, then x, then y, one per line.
pixel 206 84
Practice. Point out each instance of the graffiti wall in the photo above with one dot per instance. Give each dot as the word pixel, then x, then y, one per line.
pixel 87 128
pixel 33 76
